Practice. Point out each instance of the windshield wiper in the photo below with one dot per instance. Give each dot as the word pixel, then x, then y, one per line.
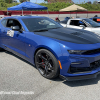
pixel 40 30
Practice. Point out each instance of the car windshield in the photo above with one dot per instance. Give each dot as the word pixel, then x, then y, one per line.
pixel 92 23
pixel 40 24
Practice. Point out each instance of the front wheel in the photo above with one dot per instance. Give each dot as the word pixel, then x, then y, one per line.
pixel 46 64
pixel 1 49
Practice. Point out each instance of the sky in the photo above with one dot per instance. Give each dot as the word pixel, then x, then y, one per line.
pixel 75 1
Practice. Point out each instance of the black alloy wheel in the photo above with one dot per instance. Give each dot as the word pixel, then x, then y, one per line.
pixel 1 49
pixel 46 64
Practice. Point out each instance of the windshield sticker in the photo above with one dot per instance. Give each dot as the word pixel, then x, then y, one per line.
pixel 10 33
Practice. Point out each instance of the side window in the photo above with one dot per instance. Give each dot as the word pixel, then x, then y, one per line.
pixel 12 22
pixel 74 22
pixel 77 23
pixel 4 22
pixel 9 23
pixel 82 23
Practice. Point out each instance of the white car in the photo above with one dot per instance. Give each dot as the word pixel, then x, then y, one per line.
pixel 82 23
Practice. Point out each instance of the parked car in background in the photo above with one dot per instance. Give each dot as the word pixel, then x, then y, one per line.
pixel 64 21
pixel 83 23
pixel 96 19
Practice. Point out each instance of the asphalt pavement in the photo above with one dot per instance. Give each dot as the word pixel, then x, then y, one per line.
pixel 17 76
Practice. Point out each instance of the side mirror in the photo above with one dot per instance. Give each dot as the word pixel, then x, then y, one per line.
pixel 21 30
pixel 82 26
pixel 16 28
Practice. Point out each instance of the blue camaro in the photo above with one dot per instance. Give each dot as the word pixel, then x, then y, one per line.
pixel 71 53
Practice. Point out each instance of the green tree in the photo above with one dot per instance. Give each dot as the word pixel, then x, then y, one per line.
pixel 23 0
pixel 46 0
pixel 1 0
pixel 8 1
pixel 95 2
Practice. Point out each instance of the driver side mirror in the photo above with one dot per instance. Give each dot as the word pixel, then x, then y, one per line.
pixel 16 28
pixel 82 26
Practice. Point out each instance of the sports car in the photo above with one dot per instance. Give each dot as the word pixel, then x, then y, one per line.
pixel 83 23
pixel 71 53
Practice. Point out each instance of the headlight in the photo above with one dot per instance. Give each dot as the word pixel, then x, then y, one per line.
pixel 76 51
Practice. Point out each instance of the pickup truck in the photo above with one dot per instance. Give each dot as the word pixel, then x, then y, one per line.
pixel 82 23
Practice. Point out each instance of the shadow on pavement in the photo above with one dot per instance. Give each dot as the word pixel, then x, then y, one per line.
pixel 82 82
pixel 2 50
pixel 19 58
pixel 69 83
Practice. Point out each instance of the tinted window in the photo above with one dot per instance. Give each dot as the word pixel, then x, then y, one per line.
pixel 77 23
pixel 12 22
pixel 4 22
pixel 34 24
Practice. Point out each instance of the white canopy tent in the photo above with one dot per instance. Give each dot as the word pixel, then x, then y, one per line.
pixel 73 8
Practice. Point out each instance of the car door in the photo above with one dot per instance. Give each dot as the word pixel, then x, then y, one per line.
pixel 2 26
pixel 79 24
pixel 13 40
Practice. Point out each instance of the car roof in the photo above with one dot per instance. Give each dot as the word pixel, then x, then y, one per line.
pixel 78 18
pixel 23 17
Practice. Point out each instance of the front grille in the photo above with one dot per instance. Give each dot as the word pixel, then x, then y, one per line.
pixel 89 52
pixel 93 66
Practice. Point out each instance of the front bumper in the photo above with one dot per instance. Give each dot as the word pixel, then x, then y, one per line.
pixel 92 62
pixel 73 78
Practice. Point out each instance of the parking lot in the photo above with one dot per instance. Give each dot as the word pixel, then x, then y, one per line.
pixel 18 75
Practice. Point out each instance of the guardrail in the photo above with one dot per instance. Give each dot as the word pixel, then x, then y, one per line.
pixel 43 12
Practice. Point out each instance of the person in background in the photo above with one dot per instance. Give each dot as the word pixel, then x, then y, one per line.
pixel 96 16
pixel 57 19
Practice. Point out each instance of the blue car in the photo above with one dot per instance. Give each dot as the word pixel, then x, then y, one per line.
pixel 65 20
pixel 71 53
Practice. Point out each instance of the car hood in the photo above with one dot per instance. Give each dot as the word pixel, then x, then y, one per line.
pixel 71 35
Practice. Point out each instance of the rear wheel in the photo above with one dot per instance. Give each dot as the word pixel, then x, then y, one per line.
pixel 46 64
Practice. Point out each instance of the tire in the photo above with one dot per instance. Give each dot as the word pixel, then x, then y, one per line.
pixel 46 64
pixel 1 49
